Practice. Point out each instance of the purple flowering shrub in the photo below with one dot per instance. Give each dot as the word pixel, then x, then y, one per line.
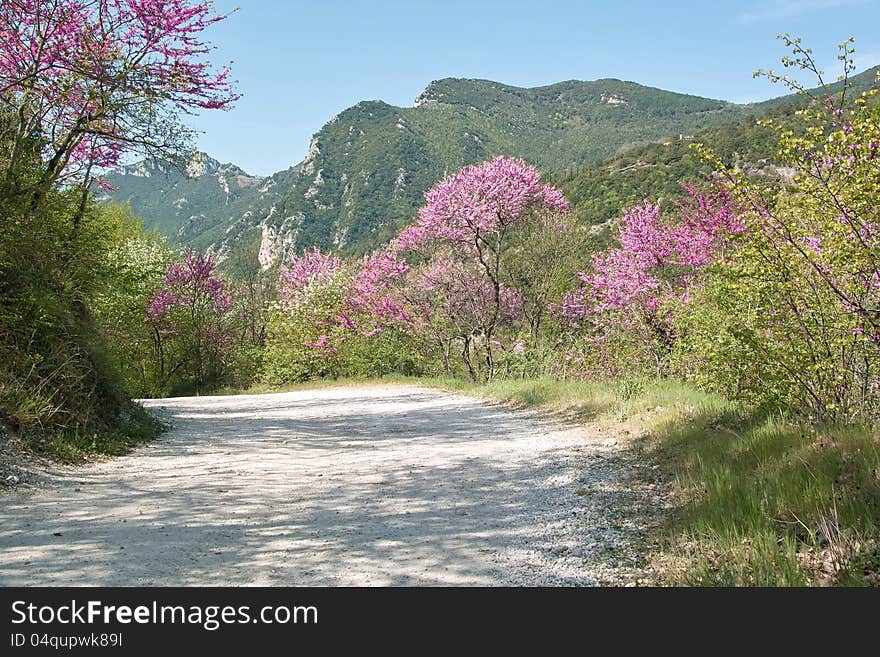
pixel 192 320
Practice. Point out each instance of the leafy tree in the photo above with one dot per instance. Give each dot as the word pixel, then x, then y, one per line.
pixel 467 226
pixel 255 290
pixel 797 309
pixel 81 82
pixel 303 329
pixel 191 322
pixel 133 270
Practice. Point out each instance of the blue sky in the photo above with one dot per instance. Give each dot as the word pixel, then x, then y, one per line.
pixel 299 63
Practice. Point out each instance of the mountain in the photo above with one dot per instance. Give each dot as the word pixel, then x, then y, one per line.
pixel 185 201
pixel 657 170
pixel 367 168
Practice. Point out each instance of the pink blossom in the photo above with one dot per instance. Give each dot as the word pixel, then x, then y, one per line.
pixel 302 271
pixel 460 291
pixel 322 345
pixel 101 75
pixel 411 238
pixel 104 185
pixel 656 260
pixel 373 302
pixel 192 283
pixel 813 243
pixel 161 303
pixel 487 198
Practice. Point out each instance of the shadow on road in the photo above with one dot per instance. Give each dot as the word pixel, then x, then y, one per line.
pixel 388 487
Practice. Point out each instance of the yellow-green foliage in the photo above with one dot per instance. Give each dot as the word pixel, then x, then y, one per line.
pixel 133 267
pixel 58 381
pixel 788 318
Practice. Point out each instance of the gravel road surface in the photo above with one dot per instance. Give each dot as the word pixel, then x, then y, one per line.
pixel 362 485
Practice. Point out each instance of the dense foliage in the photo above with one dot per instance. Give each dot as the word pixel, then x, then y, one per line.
pixel 794 318
pixel 82 82
pixel 761 286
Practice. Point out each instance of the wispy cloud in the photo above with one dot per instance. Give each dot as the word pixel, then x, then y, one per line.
pixel 774 9
pixel 863 61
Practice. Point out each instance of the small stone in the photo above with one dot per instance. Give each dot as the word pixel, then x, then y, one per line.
pixel 611 442
pixel 577 552
pixel 559 549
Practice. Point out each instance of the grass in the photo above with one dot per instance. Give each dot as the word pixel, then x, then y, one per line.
pixel 137 426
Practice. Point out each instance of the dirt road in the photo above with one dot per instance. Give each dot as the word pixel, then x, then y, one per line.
pixel 371 485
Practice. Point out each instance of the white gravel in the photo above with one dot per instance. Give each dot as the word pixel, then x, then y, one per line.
pixel 365 485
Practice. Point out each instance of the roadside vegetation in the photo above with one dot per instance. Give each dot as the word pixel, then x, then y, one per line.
pixel 730 331
pixel 82 84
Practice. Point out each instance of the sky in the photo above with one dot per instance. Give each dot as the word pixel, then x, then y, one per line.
pixel 299 63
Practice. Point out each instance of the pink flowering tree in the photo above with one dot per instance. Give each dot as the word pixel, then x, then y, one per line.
pixel 375 301
pixel 336 317
pixel 466 229
pixel 312 268
pixel 190 315
pixel 636 286
pixel 305 328
pixel 92 79
pixel 456 304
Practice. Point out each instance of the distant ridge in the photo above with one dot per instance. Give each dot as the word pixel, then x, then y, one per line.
pixel 368 166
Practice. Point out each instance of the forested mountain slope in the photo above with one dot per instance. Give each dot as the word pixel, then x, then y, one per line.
pixel 367 168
